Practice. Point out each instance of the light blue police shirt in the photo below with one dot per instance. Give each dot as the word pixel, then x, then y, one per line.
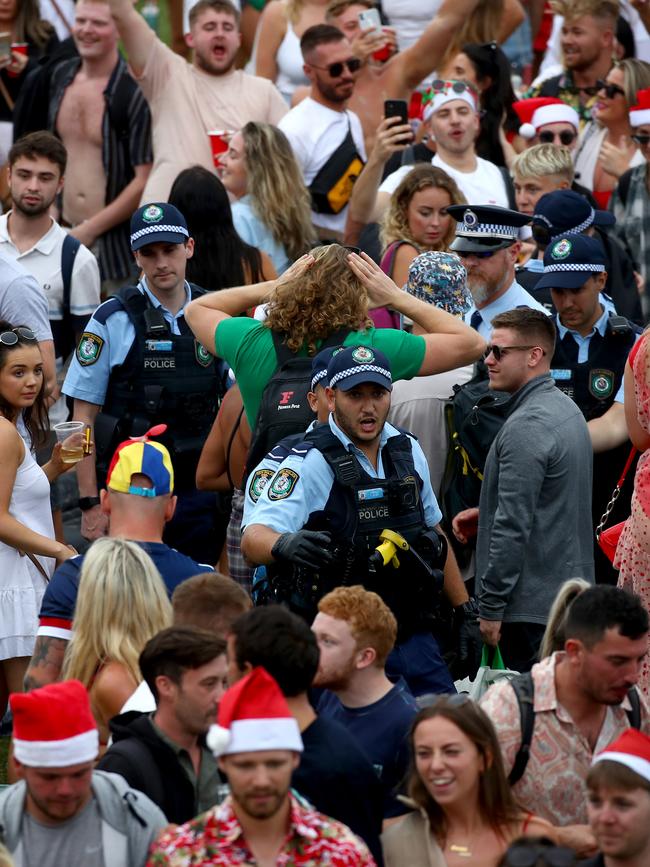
pixel 313 483
pixel 515 296
pixel 109 336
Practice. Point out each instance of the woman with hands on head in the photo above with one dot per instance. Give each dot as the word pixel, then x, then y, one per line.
pixel 29 551
pixel 326 292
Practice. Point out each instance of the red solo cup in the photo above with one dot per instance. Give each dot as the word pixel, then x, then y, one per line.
pixel 219 141
pixel 384 53
pixel 19 48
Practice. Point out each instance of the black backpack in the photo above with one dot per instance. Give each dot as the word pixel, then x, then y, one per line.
pixel 284 408
pixel 524 687
pixel 67 337
pixel 474 418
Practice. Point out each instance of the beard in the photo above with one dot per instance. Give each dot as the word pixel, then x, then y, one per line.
pixel 31 210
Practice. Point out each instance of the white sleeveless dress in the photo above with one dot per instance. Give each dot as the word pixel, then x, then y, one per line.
pixel 21 584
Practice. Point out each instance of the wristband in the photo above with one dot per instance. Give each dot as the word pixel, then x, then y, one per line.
pixel 86 503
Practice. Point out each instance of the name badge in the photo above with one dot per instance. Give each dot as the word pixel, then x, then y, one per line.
pixel 371 494
pixel 158 345
pixel 561 375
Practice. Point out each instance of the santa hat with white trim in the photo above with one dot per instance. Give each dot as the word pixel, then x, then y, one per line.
pixel 640 113
pixel 632 749
pixel 54 726
pixel 540 110
pixel 254 716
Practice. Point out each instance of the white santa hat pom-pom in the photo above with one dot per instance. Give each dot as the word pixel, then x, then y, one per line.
pixel 527 131
pixel 217 740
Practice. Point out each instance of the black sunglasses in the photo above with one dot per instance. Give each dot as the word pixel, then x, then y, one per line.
pixel 439 85
pixel 336 69
pixel 500 351
pixel 11 338
pixel 483 254
pixel 532 855
pixel 566 137
pixel 610 90
pixel 641 140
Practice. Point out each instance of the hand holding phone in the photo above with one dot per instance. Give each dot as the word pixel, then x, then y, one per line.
pixel 396 108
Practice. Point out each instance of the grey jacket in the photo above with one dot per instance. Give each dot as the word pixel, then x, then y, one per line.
pixel 535 527
pixel 130 821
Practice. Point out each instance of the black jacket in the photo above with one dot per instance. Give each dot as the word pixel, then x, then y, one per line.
pixel 149 765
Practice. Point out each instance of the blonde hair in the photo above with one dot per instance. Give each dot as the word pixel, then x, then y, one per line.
pixel 395 226
pixel 573 9
pixel 326 298
pixel 371 621
pixel 542 160
pixel 278 193
pixel 122 602
pixel 482 26
pixel 636 77
pixel 293 8
pixel 554 633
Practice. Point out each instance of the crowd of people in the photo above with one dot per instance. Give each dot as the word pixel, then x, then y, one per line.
pixel 331 313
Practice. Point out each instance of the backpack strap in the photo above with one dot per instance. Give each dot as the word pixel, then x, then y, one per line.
pixel 634 713
pixel 69 251
pixel 623 187
pixel 524 688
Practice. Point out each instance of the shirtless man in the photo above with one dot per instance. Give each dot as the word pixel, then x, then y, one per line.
pixel 103 185
pixel 399 76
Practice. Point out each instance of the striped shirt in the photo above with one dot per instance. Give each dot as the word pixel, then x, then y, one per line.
pixel 126 134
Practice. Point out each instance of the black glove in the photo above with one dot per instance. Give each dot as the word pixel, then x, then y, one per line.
pixel 470 643
pixel 304 548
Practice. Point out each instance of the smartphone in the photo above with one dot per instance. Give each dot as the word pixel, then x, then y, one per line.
pixel 5 44
pixel 369 19
pixel 396 108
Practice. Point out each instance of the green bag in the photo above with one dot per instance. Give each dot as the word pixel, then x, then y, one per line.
pixel 491 670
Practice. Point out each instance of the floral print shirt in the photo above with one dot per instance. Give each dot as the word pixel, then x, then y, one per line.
pixel 216 839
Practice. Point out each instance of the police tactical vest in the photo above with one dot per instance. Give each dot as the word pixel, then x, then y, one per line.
pixel 359 507
pixel 165 378
pixel 593 384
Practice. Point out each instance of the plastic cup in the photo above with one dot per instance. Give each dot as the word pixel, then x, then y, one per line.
pixel 20 48
pixel 219 142
pixel 71 436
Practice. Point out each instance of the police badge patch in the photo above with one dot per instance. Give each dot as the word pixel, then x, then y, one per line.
pixel 363 355
pixel 89 348
pixel 202 355
pixel 283 484
pixel 152 214
pixel 258 482
pixel 562 249
pixel 601 383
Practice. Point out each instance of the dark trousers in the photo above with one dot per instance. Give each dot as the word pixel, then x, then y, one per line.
pixel 419 661
pixel 520 643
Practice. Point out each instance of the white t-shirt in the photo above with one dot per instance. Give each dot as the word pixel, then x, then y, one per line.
pixel 483 186
pixel 49 13
pixel 314 132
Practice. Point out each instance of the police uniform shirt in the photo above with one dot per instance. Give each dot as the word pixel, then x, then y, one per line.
pixel 583 349
pixel 515 296
pixel 105 344
pixel 302 485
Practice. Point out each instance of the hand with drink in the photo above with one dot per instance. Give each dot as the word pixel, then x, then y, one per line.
pixel 72 445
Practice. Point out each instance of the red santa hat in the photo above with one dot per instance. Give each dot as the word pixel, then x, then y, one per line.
pixel 540 110
pixel 640 113
pixel 254 716
pixel 53 726
pixel 632 749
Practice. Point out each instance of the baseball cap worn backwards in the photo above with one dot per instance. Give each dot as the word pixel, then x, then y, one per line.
pixel 142 457
pixel 355 365
pixel 156 223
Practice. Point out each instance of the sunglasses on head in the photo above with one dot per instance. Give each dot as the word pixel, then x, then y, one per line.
pixel 441 86
pixel 641 140
pixel 11 338
pixel 610 90
pixel 566 137
pixel 353 64
pixel 500 351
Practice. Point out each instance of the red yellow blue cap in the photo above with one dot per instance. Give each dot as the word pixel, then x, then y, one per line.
pixel 139 456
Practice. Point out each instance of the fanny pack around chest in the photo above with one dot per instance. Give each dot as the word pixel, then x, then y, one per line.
pixel 331 189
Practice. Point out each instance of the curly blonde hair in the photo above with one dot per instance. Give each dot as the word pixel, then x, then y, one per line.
pixel 327 297
pixel 121 604
pixel 395 225
pixel 278 193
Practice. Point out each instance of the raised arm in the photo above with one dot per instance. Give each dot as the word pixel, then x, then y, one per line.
pixel 135 33
pixel 449 342
pixel 272 29
pixel 513 16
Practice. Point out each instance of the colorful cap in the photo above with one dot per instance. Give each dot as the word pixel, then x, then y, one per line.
pixel 158 222
pixel 54 726
pixel 481 227
pixel 540 110
pixel 440 279
pixel 640 113
pixel 355 365
pixel 570 260
pixel 319 366
pixel 138 456
pixel 631 749
pixel 254 716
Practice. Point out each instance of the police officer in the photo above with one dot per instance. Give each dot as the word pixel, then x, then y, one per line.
pixel 138 364
pixel 488 242
pixel 319 521
pixel 589 362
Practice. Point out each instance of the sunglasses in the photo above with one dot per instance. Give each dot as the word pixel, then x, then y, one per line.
pixel 483 254
pixel 610 90
pixel 641 140
pixel 441 86
pixel 335 70
pixel 11 338
pixel 500 351
pixel 531 855
pixel 566 137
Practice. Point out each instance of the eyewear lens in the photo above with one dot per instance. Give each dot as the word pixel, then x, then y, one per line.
pixel 567 138
pixel 10 338
pixel 641 140
pixel 610 90
pixel 336 69
pixel 482 254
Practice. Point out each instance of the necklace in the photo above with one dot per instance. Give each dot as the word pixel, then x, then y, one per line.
pixel 461 851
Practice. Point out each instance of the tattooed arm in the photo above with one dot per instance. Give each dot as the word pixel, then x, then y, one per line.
pixel 46 662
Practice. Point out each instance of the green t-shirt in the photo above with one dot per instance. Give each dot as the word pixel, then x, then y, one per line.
pixel 247 346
